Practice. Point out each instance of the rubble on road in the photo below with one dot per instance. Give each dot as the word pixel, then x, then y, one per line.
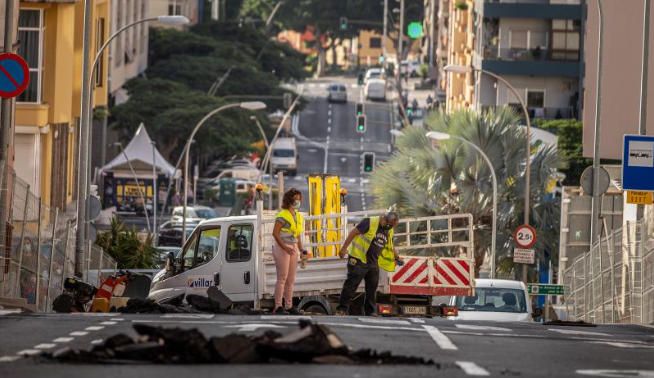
pixel 571 323
pixel 311 343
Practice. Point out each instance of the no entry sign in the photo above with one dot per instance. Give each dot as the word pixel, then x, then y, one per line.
pixel 14 75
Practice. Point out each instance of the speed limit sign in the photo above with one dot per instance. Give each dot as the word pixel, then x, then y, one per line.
pixel 525 236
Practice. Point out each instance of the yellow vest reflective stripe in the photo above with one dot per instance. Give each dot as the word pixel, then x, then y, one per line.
pixel 296 223
pixel 361 243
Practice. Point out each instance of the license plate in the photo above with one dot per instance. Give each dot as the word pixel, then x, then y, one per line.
pixel 414 310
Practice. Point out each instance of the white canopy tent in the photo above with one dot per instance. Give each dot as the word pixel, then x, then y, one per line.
pixel 139 151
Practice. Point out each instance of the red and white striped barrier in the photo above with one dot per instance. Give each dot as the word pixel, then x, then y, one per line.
pixel 433 276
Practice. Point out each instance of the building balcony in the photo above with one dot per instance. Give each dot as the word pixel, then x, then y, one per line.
pixel 541 9
pixel 531 62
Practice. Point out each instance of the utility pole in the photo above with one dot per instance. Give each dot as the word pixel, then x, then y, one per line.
pixel 384 34
pixel 6 134
pixel 432 19
pixel 597 196
pixel 82 142
pixel 642 124
pixel 398 68
pixel 215 13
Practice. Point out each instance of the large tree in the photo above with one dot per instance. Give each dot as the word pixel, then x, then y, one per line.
pixel 422 180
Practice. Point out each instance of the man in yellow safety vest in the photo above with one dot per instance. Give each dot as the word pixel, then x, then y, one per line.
pixel 370 247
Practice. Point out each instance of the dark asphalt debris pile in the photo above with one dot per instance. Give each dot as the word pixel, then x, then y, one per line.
pixel 311 343
pixel 577 323
pixel 215 302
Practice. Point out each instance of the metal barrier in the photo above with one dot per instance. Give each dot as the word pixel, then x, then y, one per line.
pixel 614 281
pixel 40 250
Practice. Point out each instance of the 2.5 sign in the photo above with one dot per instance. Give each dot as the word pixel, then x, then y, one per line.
pixel 525 236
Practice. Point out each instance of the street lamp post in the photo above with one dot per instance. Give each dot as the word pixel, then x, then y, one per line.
pixel 155 190
pixel 250 105
pixel 138 184
pixel 85 120
pixel 435 135
pixel 466 69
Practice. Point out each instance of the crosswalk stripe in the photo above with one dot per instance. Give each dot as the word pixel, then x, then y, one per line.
pixel 440 339
pixel 471 368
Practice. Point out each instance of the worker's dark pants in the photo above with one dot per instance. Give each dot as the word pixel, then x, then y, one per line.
pixel 357 271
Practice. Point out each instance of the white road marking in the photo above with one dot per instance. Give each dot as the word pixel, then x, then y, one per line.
pixel 108 323
pixel 96 342
pixel 62 339
pixel 576 332
pixel 481 328
pixel 441 340
pixel 352 180
pixel 251 327
pixel 417 320
pixel 383 321
pixel 117 319
pixel 45 346
pixel 617 373
pixel 78 333
pixel 28 352
pixel 96 314
pixel 623 345
pixel 284 317
pixel 9 358
pixel 9 312
pixel 329 112
pixel 369 326
pixel 188 316
pixel 471 368
pixel 329 129
pixel 93 328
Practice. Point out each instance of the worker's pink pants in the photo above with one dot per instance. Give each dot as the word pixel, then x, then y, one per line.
pixel 286 265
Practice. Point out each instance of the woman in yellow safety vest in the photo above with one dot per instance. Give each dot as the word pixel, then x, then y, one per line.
pixel 287 245
pixel 370 247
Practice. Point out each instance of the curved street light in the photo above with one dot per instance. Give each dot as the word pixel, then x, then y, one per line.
pixel 85 120
pixel 435 135
pixel 468 69
pixel 248 105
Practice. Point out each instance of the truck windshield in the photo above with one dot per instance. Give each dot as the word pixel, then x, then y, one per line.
pixel 283 153
pixel 493 299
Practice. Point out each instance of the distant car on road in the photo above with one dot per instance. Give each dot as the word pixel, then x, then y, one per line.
pixel 337 93
pixel 375 89
pixel 201 212
pixel 495 300
pixel 373 73
pixel 410 67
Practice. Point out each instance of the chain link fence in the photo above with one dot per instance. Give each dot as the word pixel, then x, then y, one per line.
pixel 38 247
pixel 614 281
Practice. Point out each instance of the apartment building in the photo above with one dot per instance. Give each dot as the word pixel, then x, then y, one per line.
pixel 188 8
pixel 537 45
pixel 47 113
pixel 461 43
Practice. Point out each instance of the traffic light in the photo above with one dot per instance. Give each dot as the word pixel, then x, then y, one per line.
pixel 343 23
pixel 414 30
pixel 359 109
pixel 368 162
pixel 361 124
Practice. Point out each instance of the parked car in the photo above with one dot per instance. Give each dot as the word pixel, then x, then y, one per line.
pixel 410 67
pixel 337 93
pixel 375 89
pixel 284 156
pixel 170 233
pixel 495 300
pixel 200 212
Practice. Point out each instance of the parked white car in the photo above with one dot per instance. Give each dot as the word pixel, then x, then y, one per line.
pixel 196 212
pixel 495 300
pixel 284 156
pixel 337 93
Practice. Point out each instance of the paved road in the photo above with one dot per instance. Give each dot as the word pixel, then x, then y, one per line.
pixel 461 348
pixel 324 126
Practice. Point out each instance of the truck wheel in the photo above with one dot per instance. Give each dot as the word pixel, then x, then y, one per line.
pixel 315 308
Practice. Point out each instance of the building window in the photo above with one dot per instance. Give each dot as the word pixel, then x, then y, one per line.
pixel 239 243
pixel 99 41
pixel 566 39
pixel 30 37
pixel 375 43
pixel 174 9
pixel 535 99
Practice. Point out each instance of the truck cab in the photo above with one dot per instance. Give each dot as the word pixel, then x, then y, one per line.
pixel 220 252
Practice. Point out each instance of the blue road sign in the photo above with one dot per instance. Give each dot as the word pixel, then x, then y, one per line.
pixel 14 75
pixel 638 163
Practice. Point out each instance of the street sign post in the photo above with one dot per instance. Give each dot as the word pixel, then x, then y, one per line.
pixel 525 236
pixel 14 75
pixel 545 289
pixel 524 256
pixel 638 163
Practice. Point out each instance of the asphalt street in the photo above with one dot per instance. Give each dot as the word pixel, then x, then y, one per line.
pixel 459 348
pixel 330 128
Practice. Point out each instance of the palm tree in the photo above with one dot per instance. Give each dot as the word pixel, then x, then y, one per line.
pixel 452 178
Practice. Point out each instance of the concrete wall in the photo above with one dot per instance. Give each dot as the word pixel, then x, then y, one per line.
pixel 621 75
pixel 133 40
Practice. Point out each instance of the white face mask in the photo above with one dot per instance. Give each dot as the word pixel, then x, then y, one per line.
pixel 297 204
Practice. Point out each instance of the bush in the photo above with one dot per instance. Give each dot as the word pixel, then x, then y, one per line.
pixel 126 248
pixel 569 132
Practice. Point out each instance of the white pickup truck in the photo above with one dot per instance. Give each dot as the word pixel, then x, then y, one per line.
pixel 234 254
